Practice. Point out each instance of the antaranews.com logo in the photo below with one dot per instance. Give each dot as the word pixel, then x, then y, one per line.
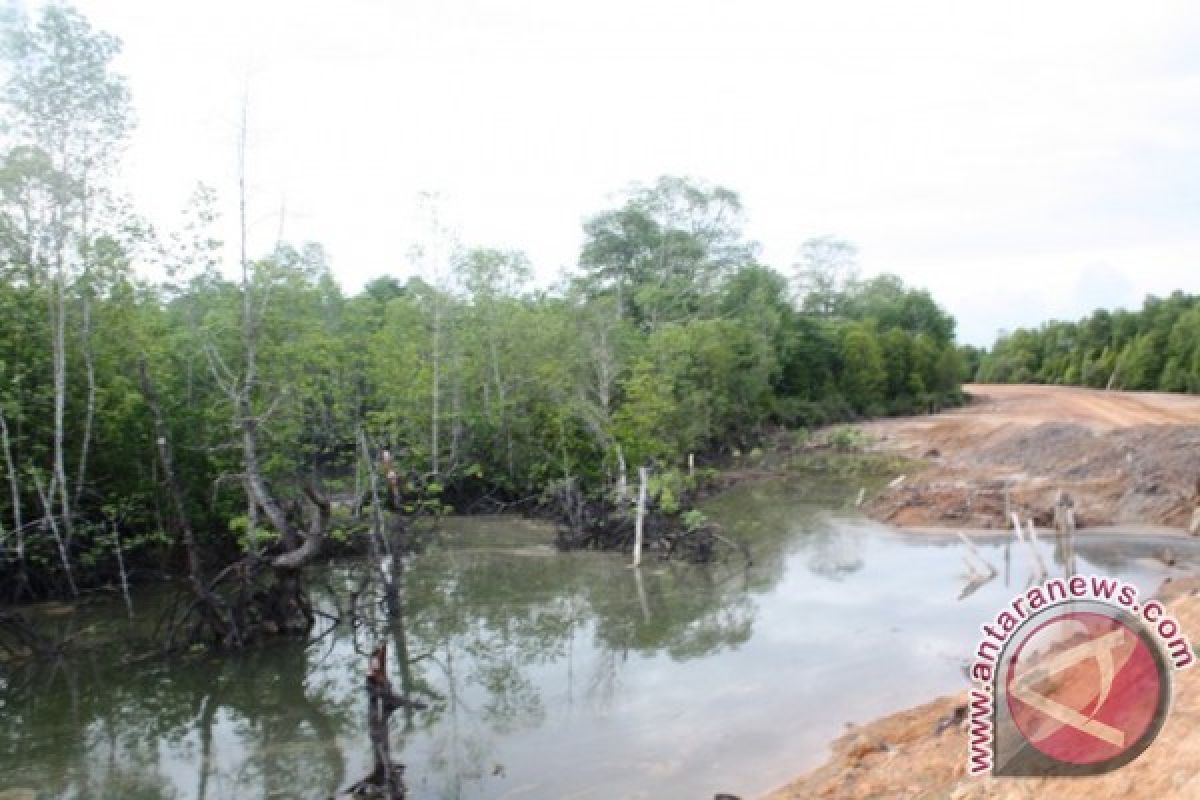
pixel 1073 677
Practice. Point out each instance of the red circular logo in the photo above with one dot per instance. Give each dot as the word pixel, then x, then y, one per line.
pixel 1084 688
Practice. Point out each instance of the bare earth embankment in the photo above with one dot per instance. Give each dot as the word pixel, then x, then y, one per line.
pixel 1126 458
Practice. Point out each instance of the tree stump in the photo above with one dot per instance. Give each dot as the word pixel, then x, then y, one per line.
pixel 1064 513
pixel 386 781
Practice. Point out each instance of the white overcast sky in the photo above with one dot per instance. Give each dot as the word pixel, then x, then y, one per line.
pixel 1021 160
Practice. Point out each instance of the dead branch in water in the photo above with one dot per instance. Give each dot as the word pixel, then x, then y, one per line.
pixel 386 781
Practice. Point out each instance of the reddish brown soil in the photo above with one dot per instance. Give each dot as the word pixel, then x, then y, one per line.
pixel 1124 457
pixel 903 756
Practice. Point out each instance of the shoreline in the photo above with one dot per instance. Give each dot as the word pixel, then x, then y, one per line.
pixel 1117 459
pixel 1147 530
pixel 920 753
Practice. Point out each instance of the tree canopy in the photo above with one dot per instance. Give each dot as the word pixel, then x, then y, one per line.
pixel 1154 348
pixel 670 338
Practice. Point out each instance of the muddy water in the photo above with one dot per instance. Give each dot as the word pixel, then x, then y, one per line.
pixel 551 675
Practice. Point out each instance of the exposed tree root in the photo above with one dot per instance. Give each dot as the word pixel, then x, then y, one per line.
pixel 585 523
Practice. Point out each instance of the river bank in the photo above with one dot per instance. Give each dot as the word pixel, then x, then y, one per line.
pixel 920 753
pixel 1127 461
pixel 1124 458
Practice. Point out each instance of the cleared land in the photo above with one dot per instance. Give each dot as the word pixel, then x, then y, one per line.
pixel 904 755
pixel 1124 458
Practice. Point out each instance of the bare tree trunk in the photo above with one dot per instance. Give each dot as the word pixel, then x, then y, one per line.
pixel 86 336
pixel 622 481
pixel 121 567
pixel 251 517
pixel 59 317
pixel 437 334
pixel 243 404
pixel 456 427
pixel 89 416
pixel 311 540
pixel 382 701
pixel 16 492
pixel 379 542
pixel 48 506
pixel 639 524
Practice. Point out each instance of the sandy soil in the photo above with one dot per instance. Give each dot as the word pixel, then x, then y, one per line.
pixel 1124 457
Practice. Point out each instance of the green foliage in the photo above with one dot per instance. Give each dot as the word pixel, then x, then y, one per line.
pixel 1157 347
pixel 668 488
pixel 239 526
pixel 670 339
pixel 847 438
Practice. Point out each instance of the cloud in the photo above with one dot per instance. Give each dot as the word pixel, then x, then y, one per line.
pixel 981 151
pixel 1102 286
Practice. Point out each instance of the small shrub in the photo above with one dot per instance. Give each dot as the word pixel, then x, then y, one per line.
pixel 846 438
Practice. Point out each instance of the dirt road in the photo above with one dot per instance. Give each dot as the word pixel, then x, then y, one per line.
pixel 998 407
pixel 1124 457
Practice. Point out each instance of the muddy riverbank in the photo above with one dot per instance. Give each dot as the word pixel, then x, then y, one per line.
pixel 1128 462
pixel 1125 458
pixel 920 753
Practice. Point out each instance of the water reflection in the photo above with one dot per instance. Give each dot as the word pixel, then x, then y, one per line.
pixel 555 675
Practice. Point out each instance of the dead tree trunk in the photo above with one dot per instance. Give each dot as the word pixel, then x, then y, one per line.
pixel 50 521
pixel 58 316
pixel 90 415
pixel 1064 513
pixel 640 523
pixel 386 781
pixel 381 550
pixel 267 595
pixel 437 379
pixel 116 535
pixel 622 480
pixel 16 494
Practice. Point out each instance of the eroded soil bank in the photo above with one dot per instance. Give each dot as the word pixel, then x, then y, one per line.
pixel 905 756
pixel 1125 458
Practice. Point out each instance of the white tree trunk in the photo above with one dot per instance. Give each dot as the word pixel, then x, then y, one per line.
pixel 48 505
pixel 243 405
pixel 385 560
pixel 16 491
pixel 622 480
pixel 86 336
pixel 59 317
pixel 121 568
pixel 437 379
pixel 639 525
pixel 89 416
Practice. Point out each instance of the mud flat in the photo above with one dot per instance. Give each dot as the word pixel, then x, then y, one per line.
pixel 1125 458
